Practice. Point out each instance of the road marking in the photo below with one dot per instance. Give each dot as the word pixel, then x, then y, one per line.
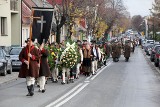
pixel 101 70
pixel 64 98
pixel 71 96
pixel 88 77
pixel 86 81
pixel 61 98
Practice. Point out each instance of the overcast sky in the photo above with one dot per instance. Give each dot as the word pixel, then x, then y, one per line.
pixel 138 7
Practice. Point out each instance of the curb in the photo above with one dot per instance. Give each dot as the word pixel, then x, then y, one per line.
pixel 9 78
pixel 150 63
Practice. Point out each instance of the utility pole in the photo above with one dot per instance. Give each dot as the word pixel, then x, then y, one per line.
pixel 153 29
pixel 146 27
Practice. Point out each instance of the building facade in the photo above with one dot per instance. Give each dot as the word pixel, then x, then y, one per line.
pixel 10 24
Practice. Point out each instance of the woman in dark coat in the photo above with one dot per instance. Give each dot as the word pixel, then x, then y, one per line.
pixel 29 68
pixel 44 68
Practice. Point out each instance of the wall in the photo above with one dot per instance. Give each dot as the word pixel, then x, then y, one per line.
pixel 5 40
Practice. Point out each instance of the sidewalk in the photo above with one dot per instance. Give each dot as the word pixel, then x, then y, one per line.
pixel 9 77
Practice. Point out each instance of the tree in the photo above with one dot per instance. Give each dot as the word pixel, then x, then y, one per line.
pixel 136 22
pixel 97 13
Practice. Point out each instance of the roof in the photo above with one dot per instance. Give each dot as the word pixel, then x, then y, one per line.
pixel 59 2
pixel 26 10
pixel 30 3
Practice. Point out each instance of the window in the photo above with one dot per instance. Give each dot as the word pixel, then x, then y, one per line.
pixel 27 33
pixel 3 26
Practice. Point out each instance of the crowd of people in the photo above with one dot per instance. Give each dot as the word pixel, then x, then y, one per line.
pixel 66 61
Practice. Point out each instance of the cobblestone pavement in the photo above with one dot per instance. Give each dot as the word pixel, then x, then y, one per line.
pixel 8 77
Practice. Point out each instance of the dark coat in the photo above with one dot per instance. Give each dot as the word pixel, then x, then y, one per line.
pixel 93 56
pixel 119 47
pixel 44 66
pixel 127 51
pixel 114 51
pixel 33 64
pixel 107 49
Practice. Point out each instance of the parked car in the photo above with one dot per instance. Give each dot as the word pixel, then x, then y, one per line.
pixel 14 54
pixel 5 63
pixel 153 51
pixel 150 41
pixel 148 48
pixel 157 55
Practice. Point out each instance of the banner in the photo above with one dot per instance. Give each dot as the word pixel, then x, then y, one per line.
pixel 41 28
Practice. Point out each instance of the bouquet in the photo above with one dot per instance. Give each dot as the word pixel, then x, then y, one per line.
pixel 69 56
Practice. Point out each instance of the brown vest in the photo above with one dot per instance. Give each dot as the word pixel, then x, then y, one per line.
pixel 86 53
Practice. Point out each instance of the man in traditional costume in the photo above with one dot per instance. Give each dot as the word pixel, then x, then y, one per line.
pixel 87 60
pixel 95 52
pixel 79 59
pixel 68 59
pixel 29 56
pixel 44 68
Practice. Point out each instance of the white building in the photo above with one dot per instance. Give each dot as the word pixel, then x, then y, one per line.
pixel 10 24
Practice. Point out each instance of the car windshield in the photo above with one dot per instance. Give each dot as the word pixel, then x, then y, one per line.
pixel 15 51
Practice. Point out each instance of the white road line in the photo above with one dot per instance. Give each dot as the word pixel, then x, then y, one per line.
pixel 88 77
pixel 61 98
pixel 86 81
pixel 101 71
pixel 75 88
pixel 70 97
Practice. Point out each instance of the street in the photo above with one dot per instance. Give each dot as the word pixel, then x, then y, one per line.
pixel 120 84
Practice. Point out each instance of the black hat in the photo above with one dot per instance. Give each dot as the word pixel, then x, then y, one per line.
pixel 93 41
pixel 84 40
pixel 78 41
pixel 29 39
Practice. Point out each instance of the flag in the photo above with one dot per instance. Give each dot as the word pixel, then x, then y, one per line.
pixel 41 27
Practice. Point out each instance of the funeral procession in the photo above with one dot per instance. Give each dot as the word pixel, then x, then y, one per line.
pixel 79 53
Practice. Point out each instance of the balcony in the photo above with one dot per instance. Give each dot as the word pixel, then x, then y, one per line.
pixel 14 5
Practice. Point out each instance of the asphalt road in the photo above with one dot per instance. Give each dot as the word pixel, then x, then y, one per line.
pixel 122 84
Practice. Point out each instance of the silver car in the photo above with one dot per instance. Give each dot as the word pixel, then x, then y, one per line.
pixel 14 54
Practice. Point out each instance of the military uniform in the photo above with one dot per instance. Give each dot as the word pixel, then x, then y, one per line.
pixel 114 52
pixel 119 47
pixel 127 51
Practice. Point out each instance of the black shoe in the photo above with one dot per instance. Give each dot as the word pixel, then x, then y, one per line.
pixel 39 90
pixel 29 91
pixel 28 94
pixel 67 81
pixel 56 81
pixel 62 83
pixel 43 90
pixel 72 81
pixel 32 90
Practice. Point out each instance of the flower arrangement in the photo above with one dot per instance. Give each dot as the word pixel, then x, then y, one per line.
pixel 53 56
pixel 69 56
